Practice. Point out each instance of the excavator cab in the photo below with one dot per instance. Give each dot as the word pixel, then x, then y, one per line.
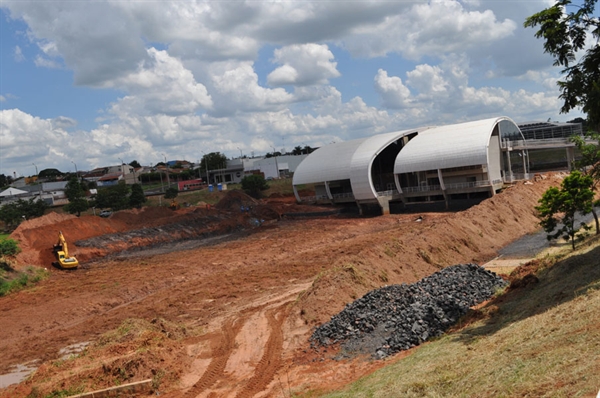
pixel 61 251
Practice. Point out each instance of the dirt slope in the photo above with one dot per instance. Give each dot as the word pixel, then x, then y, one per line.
pixel 246 306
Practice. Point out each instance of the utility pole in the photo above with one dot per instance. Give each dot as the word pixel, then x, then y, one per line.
pixel 206 165
pixel 162 186
pixel 276 165
pixel 76 173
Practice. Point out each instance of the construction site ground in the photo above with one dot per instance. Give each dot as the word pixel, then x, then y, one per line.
pixel 220 302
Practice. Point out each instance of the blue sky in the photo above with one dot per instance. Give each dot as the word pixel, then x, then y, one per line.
pixel 90 82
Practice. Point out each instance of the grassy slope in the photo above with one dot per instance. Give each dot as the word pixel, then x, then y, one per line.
pixel 541 340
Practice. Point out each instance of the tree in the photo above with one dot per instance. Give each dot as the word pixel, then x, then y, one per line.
pixel 5 180
pixel 115 197
pixel 135 164
pixel 137 197
pixel 10 215
pixel 171 193
pixel 254 184
pixel 564 33
pixel 297 150
pixel 13 213
pixel 559 206
pixel 307 149
pixel 589 164
pixel 32 208
pixel 77 206
pixel 50 174
pixel 214 161
pixel 76 195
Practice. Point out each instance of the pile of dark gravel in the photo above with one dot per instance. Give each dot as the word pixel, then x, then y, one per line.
pixel 398 317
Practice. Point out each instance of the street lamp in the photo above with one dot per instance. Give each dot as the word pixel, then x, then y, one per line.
pixel 38 178
pixel 240 152
pixel 162 186
pixel 276 165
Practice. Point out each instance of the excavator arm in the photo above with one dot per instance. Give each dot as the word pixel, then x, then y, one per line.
pixel 62 242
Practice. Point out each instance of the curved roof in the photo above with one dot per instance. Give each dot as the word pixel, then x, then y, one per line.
pixel 362 161
pixel 457 145
pixel 328 163
pixel 350 160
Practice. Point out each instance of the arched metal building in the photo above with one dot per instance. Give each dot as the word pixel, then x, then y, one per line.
pixel 419 165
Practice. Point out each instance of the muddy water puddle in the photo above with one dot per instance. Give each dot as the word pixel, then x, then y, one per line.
pixel 18 373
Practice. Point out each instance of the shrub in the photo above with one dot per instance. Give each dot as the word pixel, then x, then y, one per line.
pixel 9 247
pixel 254 184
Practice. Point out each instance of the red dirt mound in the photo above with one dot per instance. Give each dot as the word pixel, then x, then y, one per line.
pixel 233 200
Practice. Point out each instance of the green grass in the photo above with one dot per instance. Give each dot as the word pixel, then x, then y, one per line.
pixel 542 340
pixel 12 281
pixel 4 236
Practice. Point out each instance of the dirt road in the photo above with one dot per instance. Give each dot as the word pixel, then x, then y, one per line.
pixel 233 318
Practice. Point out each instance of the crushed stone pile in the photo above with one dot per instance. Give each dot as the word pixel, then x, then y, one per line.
pixel 397 317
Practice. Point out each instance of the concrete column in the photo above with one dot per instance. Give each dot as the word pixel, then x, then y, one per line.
pixel 441 180
pixel 296 194
pixel 329 195
pixel 510 173
pixel 384 202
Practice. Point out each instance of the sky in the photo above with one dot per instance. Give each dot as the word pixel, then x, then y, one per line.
pixel 85 84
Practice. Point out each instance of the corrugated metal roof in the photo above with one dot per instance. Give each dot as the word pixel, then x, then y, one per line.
pixel 456 145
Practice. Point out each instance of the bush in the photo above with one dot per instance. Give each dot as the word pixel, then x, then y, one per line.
pixel 14 281
pixel 171 193
pixel 9 247
pixel 254 184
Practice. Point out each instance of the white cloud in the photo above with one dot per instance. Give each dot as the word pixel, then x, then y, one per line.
pixel 63 122
pixel 236 89
pixel 443 94
pixel 438 27
pixel 303 65
pixel 394 94
pixel 160 85
pixel 46 63
pixel 428 80
pixel 18 54
pixel 2 98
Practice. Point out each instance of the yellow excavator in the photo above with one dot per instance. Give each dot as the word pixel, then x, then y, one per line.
pixel 62 254
pixel 174 205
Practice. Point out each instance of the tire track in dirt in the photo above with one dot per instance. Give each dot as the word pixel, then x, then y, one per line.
pixel 269 363
pixel 221 352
